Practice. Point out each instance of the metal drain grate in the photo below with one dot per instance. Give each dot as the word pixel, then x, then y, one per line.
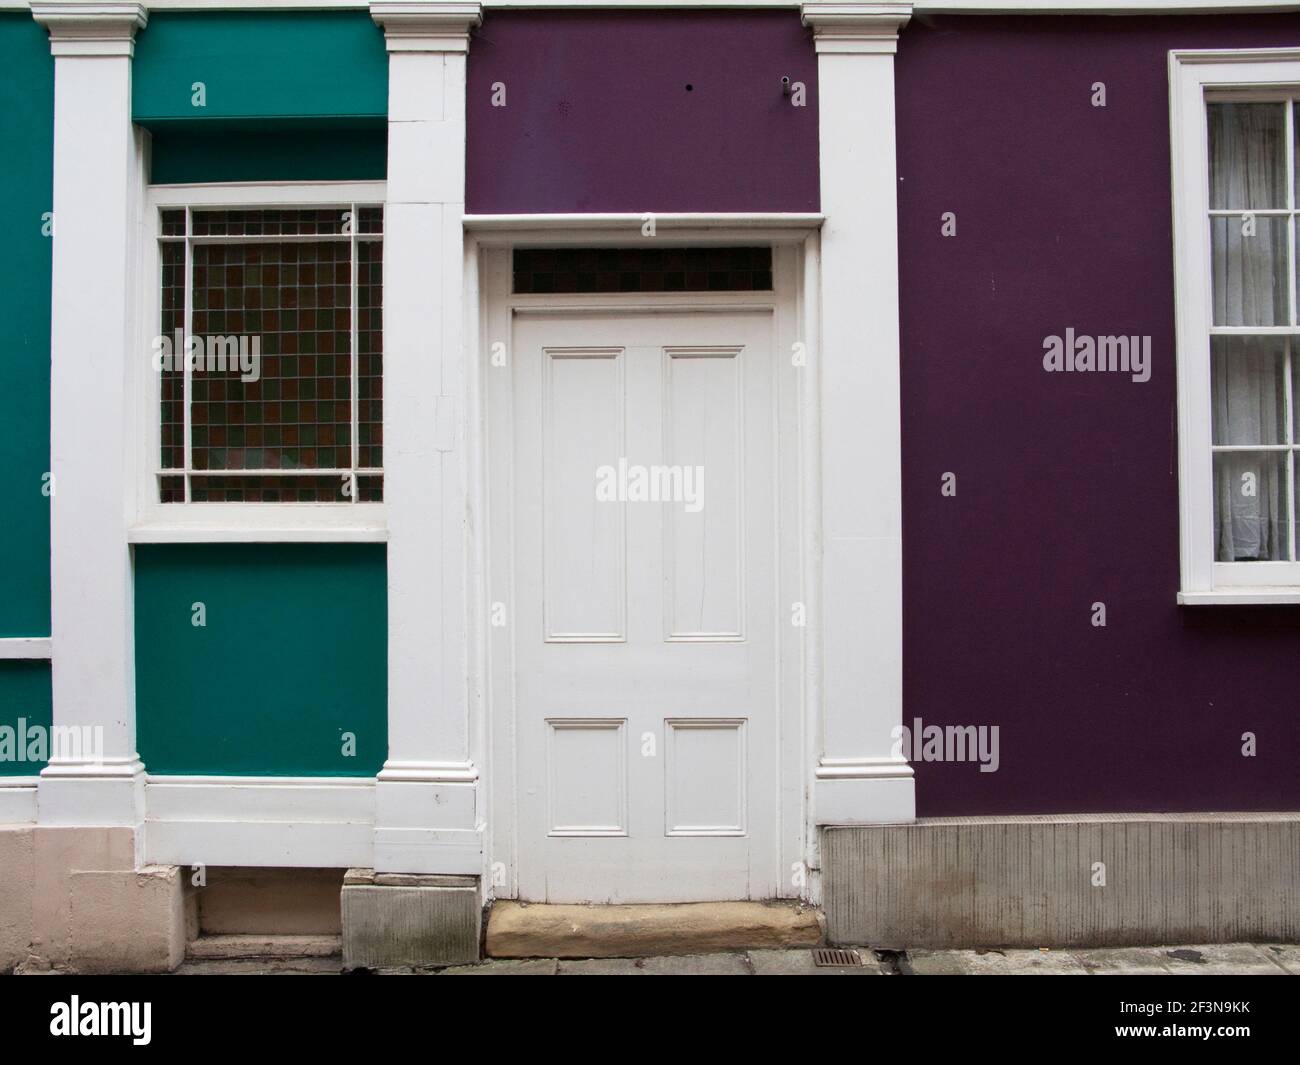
pixel 834 956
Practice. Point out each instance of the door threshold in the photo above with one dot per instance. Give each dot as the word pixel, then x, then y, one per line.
pixel 544 930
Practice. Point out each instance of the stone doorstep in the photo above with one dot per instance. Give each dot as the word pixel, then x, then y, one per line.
pixel 521 930
pixel 231 946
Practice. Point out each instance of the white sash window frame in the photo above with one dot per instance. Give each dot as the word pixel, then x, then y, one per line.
pixel 1196 78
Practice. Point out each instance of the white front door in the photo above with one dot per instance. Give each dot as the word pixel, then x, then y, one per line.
pixel 645 559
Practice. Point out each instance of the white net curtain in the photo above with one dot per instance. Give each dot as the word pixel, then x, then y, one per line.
pixel 1251 202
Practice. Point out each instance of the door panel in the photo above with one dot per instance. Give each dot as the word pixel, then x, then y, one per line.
pixel 645 556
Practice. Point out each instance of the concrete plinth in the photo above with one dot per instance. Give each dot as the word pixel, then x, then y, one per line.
pixel 1083 880
pixel 401 920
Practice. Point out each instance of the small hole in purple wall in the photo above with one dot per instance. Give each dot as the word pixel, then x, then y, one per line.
pixel 690 88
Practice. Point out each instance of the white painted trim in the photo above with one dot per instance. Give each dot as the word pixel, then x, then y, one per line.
pixel 1097 7
pixel 153 522
pixel 103 28
pixel 99 168
pixel 920 7
pixel 324 822
pixel 1192 75
pixel 857 671
pixel 304 822
pixel 1241 597
pixel 422 26
pixel 428 816
pixel 18 800
pixel 584 228
pixel 209 797
pixel 848 28
pixel 465 772
pixel 863 768
pixel 810 475
pixel 20 647
pixel 266 193
pixel 794 305
pixel 207 533
pixel 318 845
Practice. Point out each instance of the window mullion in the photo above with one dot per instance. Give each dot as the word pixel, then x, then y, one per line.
pixel 1290 206
pixel 1287 433
pixel 187 332
pixel 1287 375
pixel 356 357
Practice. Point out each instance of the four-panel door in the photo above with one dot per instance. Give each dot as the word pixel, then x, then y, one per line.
pixel 645 583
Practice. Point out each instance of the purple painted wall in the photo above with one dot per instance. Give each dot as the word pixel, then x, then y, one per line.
pixel 598 117
pixel 1067 491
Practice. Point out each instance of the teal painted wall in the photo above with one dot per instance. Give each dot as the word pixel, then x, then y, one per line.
pixel 293 655
pixel 219 151
pixel 294 652
pixel 26 189
pixel 24 695
pixel 265 65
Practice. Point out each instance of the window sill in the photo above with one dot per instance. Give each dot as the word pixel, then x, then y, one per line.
pixel 1243 596
pixel 160 533
pixel 25 647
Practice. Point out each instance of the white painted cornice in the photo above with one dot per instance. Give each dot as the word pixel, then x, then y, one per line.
pixel 423 26
pixel 846 27
pixel 919 7
pixel 103 28
pixel 1201 56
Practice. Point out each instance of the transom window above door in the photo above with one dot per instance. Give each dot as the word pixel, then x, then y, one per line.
pixel 669 269
pixel 269 353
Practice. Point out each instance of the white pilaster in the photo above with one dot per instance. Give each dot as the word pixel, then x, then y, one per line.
pixel 857 778
pixel 428 816
pixel 98 183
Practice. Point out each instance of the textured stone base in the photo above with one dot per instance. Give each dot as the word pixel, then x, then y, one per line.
pixel 17 888
pixel 241 947
pixel 72 900
pixel 1036 881
pixel 517 930
pixel 393 921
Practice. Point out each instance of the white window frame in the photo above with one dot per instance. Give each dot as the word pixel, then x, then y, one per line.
pixel 151 521
pixel 1194 78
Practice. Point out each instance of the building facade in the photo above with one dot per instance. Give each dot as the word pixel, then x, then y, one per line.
pixel 460 452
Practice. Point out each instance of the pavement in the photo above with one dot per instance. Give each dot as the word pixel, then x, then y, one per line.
pixel 1214 959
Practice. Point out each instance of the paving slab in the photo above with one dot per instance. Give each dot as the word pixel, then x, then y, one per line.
pixel 262 967
pixel 995 963
pixel 219 947
pixel 602 967
pixel 1124 961
pixel 800 963
pixel 682 965
pixel 697 965
pixel 1221 959
pixel 1286 955
pixel 505 967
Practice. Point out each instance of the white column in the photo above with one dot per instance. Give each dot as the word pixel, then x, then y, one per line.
pixel 857 778
pixel 98 185
pixel 428 816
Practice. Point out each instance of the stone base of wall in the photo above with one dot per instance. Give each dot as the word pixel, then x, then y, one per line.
pixel 1082 880
pixel 72 900
pixel 410 921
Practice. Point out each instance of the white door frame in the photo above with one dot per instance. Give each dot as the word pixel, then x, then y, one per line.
pixel 793 300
